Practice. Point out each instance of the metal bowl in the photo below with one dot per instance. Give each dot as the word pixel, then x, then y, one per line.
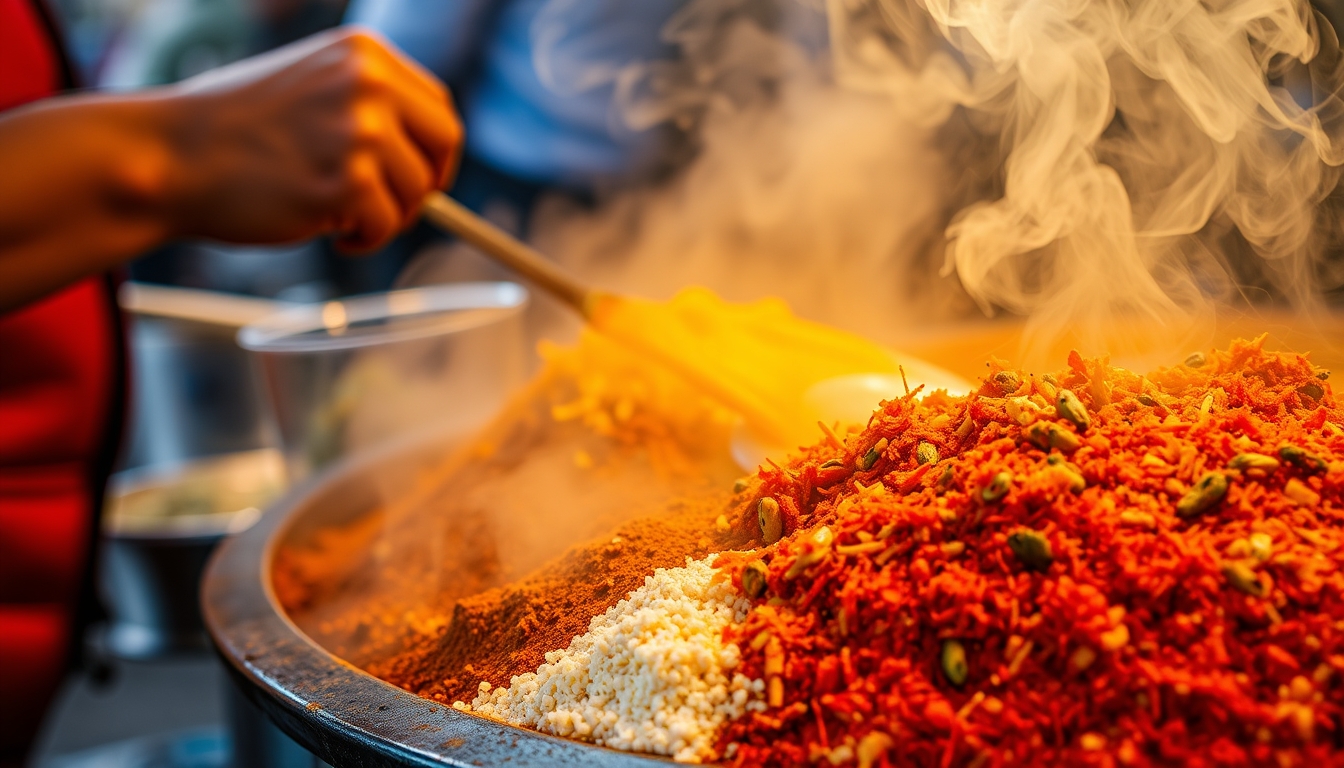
pixel 159 528
pixel 340 713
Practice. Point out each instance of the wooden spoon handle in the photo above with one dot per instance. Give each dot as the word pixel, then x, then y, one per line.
pixel 448 214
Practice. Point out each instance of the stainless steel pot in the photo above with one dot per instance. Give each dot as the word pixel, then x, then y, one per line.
pixel 160 527
pixel 343 715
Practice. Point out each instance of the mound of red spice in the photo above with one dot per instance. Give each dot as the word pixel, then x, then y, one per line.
pixel 1145 573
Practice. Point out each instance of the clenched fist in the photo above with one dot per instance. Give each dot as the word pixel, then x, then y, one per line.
pixel 336 134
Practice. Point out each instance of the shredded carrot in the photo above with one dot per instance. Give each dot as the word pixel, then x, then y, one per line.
pixel 1056 603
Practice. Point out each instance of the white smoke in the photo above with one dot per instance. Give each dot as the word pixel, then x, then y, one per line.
pixel 829 197
pixel 1088 162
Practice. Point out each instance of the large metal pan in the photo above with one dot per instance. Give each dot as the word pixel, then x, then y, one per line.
pixel 342 714
pixel 348 717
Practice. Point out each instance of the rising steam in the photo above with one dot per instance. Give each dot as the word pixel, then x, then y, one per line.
pixel 828 197
pixel 1082 162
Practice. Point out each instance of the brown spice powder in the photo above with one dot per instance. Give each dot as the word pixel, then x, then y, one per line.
pixel 470 570
pixel 508 630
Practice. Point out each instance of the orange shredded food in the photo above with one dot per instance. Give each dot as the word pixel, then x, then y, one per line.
pixel 636 405
pixel 1156 581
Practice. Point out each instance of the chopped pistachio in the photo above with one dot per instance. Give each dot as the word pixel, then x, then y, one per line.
pixel 1038 434
pixel 1313 390
pixel 1244 579
pixel 1206 493
pixel 770 519
pixel 926 453
pixel 1069 470
pixel 739 485
pixel 946 479
pixel 997 488
pixel 1301 458
pixel 833 464
pixel 1196 360
pixel 1077 483
pixel 1254 461
pixel 953 658
pixel 1031 548
pixel 1046 435
pixel 754 579
pixel 1071 409
pixel 867 460
pixel 1322 375
pixel 1008 382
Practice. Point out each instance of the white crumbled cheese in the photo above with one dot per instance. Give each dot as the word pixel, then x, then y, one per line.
pixel 652 674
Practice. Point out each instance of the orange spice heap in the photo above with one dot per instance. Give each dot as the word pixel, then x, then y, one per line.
pixel 1091 568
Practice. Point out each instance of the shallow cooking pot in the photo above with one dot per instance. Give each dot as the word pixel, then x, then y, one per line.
pixel 348 717
pixel 343 715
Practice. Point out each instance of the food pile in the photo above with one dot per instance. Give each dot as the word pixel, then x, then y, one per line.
pixel 509 630
pixel 470 569
pixel 1091 567
pixel 653 674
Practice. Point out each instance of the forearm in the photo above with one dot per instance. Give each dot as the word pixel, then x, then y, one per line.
pixel 85 184
pixel 335 134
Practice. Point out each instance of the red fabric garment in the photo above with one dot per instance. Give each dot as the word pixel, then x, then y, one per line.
pixel 59 375
pixel 57 362
pixel 28 65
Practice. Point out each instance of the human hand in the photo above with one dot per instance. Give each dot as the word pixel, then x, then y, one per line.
pixel 337 133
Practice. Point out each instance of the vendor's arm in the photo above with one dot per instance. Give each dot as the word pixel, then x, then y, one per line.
pixel 335 134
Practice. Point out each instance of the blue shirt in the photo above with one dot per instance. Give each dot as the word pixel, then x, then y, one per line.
pixel 536 79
